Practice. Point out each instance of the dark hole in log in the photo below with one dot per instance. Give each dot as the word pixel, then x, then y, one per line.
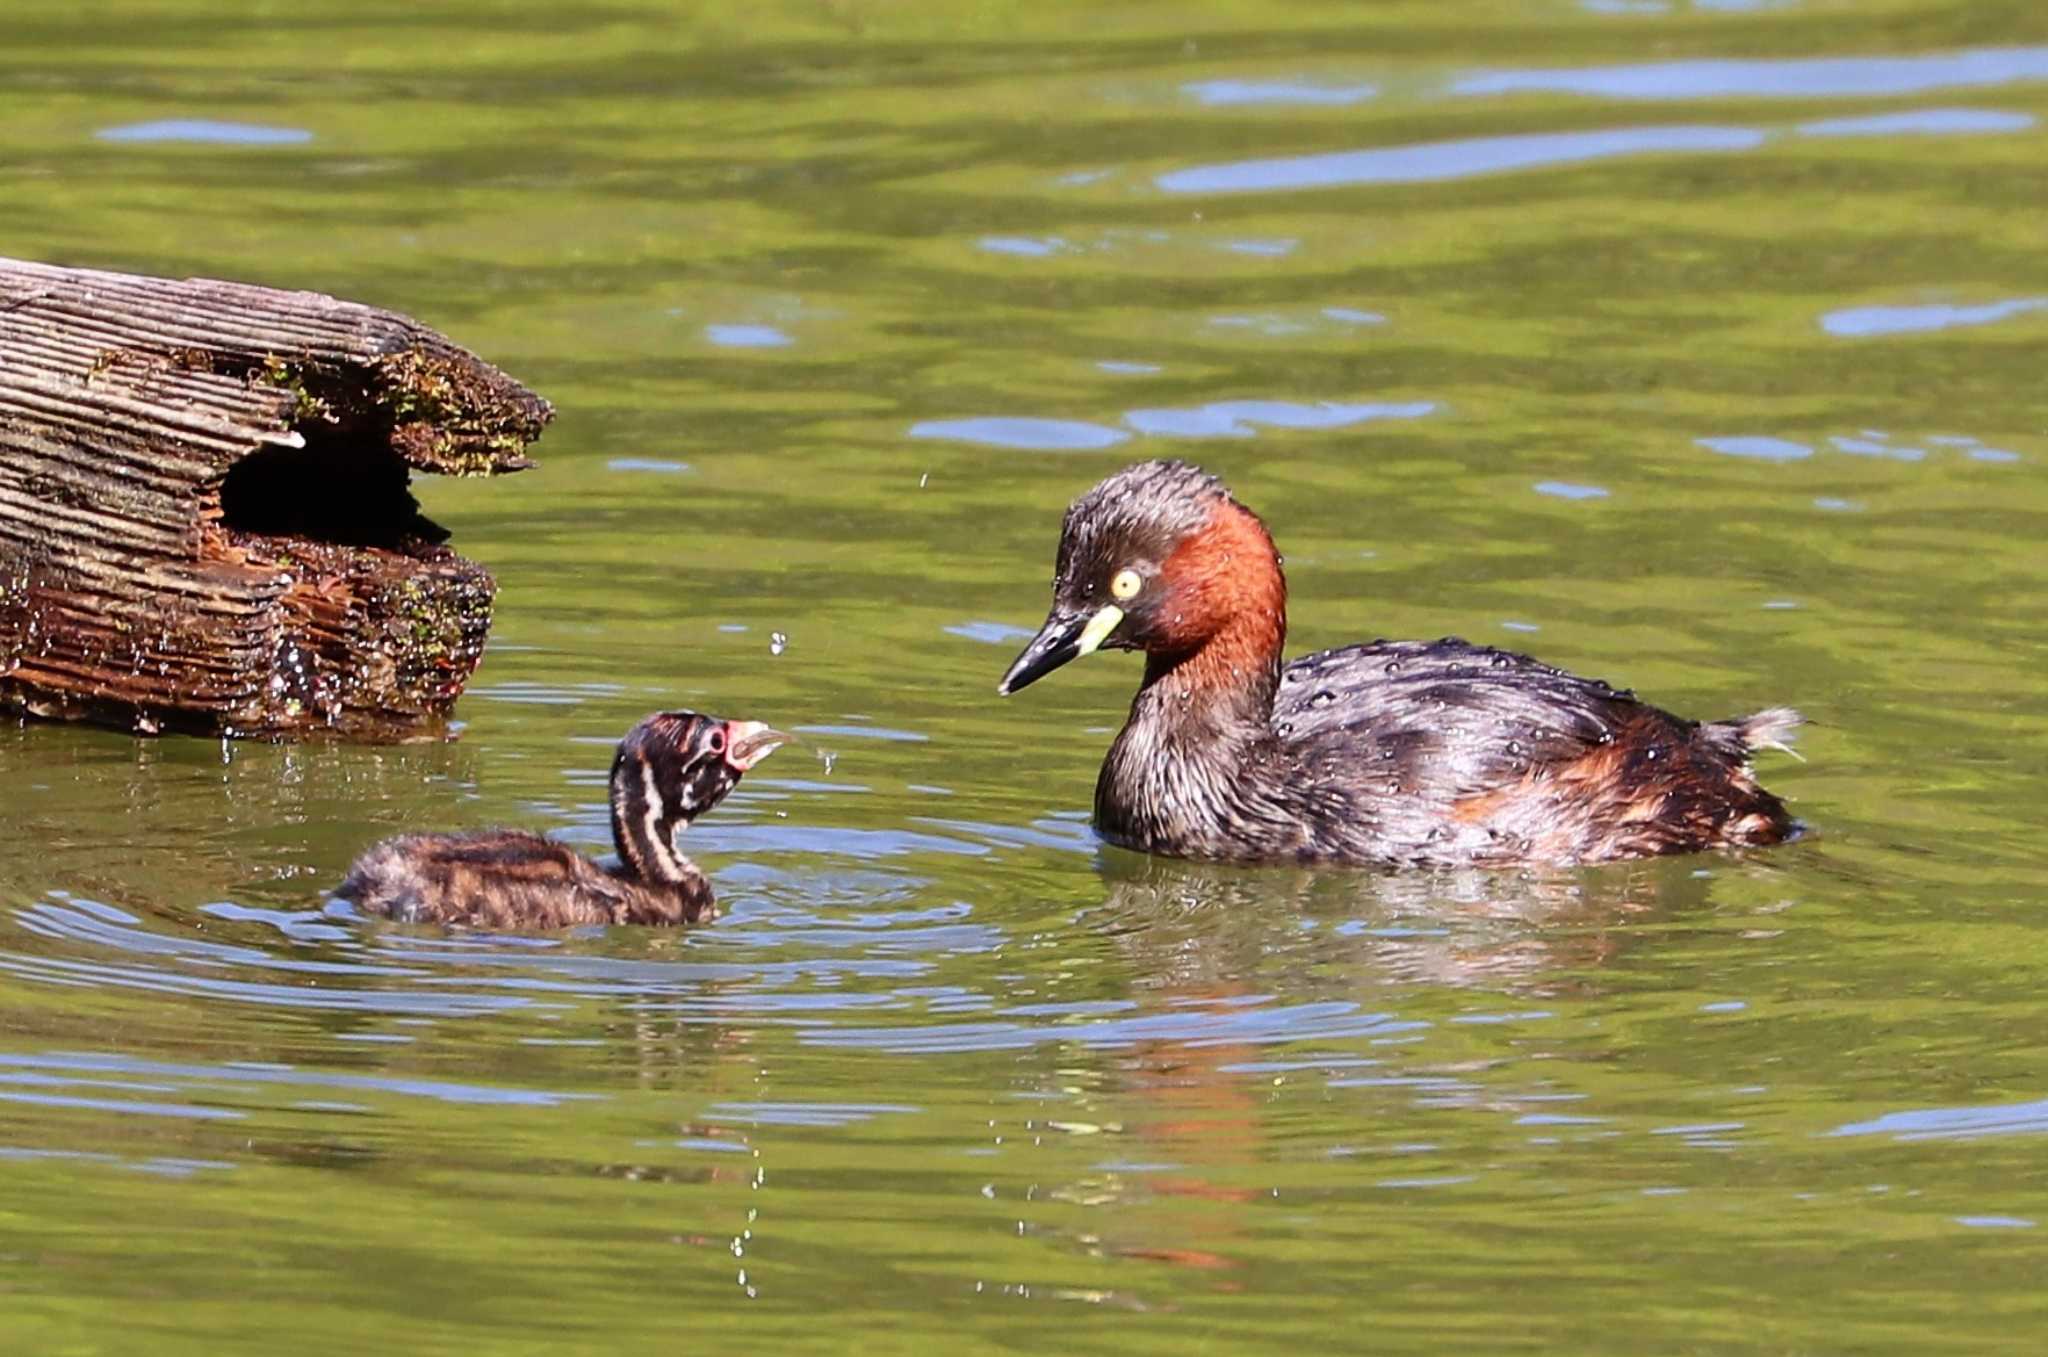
pixel 334 490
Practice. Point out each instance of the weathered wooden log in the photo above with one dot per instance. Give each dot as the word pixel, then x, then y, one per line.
pixel 204 516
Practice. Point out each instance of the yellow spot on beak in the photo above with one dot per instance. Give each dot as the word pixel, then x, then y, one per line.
pixel 1098 629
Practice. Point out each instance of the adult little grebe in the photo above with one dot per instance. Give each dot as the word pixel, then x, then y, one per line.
pixel 671 768
pixel 1393 752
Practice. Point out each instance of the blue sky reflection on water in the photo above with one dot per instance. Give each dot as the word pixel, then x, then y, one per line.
pixel 1797 78
pixel 1453 159
pixel 205 132
pixel 1858 321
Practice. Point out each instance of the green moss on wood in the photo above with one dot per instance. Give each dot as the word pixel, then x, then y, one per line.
pixel 306 406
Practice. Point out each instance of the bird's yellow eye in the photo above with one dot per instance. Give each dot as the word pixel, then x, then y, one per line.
pixel 1126 585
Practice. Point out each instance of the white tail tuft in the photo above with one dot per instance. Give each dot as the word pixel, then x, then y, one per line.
pixel 1772 728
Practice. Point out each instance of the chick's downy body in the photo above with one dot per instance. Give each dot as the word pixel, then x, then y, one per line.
pixel 669 769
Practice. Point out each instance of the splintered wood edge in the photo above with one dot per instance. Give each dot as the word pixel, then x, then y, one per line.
pixel 440 407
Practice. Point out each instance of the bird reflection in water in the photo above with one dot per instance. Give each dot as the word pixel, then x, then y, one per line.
pixel 1364 957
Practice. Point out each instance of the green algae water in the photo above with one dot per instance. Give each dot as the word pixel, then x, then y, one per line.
pixel 1696 346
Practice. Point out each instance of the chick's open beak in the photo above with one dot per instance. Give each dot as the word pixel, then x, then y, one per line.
pixel 1066 635
pixel 748 742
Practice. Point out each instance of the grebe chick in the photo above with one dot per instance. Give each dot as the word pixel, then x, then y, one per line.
pixel 671 768
pixel 1395 752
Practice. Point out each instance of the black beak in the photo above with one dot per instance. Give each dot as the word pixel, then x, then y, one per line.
pixel 1057 642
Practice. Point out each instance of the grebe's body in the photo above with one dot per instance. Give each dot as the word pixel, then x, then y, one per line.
pixel 669 769
pixel 1394 752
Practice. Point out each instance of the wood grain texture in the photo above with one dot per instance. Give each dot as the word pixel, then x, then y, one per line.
pixel 204 520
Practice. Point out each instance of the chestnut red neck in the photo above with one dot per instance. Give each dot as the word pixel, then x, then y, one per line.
pixel 1226 622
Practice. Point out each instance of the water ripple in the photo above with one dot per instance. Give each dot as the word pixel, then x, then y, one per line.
pixel 801 1114
pixel 1954 1123
pixel 233 1074
pixel 866 732
pixel 165 1166
pixel 544 694
pixel 990 633
pixel 1866 447
pixel 94 924
pixel 658 465
pixel 1244 1025
pixel 132 1107
pixel 1073 836
pixel 1570 490
pixel 1024 246
pixel 60 971
pixel 1228 93
pixel 1436 161
pixel 946 938
pixel 1243 418
pixel 1928 122
pixel 747 336
pixel 206 132
pixel 1757 447
pixel 1008 431
pixel 1894 320
pixel 1802 78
